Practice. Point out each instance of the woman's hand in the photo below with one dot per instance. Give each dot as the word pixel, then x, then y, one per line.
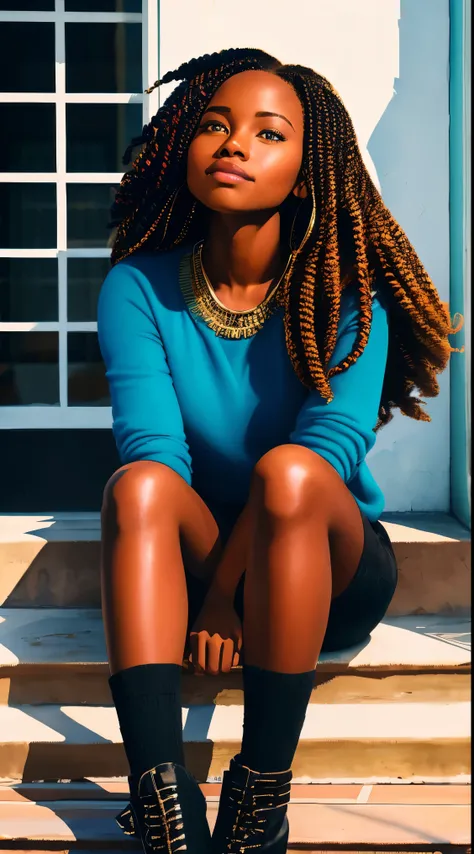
pixel 215 640
pixel 216 637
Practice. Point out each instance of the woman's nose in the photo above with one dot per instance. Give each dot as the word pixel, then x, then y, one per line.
pixel 233 146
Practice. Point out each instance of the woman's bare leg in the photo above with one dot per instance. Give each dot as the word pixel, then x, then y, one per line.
pixel 306 544
pixel 150 517
pixel 152 522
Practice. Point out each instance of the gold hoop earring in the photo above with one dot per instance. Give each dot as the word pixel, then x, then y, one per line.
pixel 310 225
pixel 293 226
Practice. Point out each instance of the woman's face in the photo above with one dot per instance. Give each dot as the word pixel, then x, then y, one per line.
pixel 253 123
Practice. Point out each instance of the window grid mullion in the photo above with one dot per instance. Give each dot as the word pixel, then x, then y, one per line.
pixel 47 326
pixel 77 252
pixel 71 17
pixel 72 97
pixel 62 305
pixel 61 201
pixel 150 70
pixel 52 177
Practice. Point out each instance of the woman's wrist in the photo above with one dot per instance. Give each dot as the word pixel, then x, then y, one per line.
pixel 221 588
pixel 232 564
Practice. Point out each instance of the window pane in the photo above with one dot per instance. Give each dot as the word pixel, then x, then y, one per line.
pixel 84 280
pixel 103 5
pixel 27 216
pixel 29 369
pixel 103 58
pixel 30 146
pixel 88 212
pixel 87 385
pixel 28 289
pixel 27 57
pixel 98 134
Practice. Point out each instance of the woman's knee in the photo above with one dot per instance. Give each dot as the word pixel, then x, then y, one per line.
pixel 289 482
pixel 137 491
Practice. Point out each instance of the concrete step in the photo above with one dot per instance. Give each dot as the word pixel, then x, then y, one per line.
pixel 52 560
pixel 423 742
pixel 87 824
pixel 58 656
pixel 116 789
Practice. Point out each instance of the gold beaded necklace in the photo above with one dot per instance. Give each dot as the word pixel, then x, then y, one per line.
pixel 202 300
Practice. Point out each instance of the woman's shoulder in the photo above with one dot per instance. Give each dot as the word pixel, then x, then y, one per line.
pixel 154 275
pixel 152 266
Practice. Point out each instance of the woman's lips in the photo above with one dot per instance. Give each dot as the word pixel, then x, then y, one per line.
pixel 227 177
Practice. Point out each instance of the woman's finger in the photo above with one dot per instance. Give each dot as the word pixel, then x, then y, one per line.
pixel 192 645
pixel 214 645
pixel 227 655
pixel 203 638
pixel 194 653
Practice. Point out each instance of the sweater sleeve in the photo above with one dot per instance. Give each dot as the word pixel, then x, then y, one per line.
pixel 342 432
pixel 147 421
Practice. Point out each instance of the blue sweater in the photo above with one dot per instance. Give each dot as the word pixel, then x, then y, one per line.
pixel 210 407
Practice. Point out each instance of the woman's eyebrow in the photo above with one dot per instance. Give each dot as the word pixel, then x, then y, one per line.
pixel 278 115
pixel 261 114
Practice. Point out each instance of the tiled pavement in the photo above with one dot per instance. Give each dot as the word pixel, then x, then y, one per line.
pixel 372 794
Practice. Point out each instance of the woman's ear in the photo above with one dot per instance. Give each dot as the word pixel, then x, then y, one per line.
pixel 300 190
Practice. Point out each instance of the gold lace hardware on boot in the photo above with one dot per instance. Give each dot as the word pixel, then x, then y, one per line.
pixel 250 821
pixel 166 818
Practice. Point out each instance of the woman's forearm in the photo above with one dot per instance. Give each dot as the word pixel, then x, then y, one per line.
pixel 233 561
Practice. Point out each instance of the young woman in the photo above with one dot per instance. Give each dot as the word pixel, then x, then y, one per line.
pixel 263 317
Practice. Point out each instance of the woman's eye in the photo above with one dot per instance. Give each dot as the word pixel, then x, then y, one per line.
pixel 275 133
pixel 213 126
pixel 216 127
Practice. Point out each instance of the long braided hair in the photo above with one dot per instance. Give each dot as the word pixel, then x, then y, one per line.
pixel 354 241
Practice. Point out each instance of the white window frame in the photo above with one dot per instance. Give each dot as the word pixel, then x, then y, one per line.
pixel 63 416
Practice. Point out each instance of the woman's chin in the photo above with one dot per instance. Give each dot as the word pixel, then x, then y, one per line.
pixel 229 206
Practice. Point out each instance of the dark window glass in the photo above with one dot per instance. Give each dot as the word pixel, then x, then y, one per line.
pixel 88 212
pixel 84 279
pixel 103 5
pixel 28 138
pixel 98 134
pixel 29 368
pixel 26 5
pixel 28 216
pixel 28 289
pixel 103 57
pixel 26 57
pixel 87 385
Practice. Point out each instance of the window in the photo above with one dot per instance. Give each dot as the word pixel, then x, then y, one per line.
pixel 76 70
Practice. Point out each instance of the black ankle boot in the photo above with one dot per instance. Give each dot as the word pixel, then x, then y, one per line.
pixel 167 812
pixel 252 812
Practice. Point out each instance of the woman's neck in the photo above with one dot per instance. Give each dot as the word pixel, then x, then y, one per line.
pixel 242 258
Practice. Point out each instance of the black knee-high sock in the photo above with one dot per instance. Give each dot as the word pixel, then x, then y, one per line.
pixel 275 709
pixel 148 703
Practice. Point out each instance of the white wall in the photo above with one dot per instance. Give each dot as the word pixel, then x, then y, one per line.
pixel 389 61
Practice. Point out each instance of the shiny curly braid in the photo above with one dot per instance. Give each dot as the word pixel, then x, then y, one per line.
pixel 352 240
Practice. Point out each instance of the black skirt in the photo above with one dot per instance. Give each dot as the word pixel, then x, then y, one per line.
pixel 356 612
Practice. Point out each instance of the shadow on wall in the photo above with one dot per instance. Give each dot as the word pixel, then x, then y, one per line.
pixel 410 151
